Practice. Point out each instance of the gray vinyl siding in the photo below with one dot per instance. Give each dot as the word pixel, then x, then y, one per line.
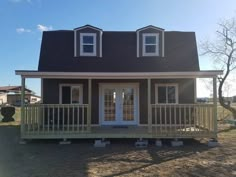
pixel 51 93
pixel 185 89
pixel 51 89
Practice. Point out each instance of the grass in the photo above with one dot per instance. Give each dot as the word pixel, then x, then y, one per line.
pixel 16 116
pixel 223 113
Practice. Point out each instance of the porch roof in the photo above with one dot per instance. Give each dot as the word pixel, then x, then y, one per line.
pixel 118 75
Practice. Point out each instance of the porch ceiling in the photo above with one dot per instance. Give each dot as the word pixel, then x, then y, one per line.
pixel 118 75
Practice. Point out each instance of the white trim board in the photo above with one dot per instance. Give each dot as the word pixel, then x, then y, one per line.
pixel 119 75
pixel 163 43
pixel 75 44
pixel 87 26
pixel 100 47
pixel 150 27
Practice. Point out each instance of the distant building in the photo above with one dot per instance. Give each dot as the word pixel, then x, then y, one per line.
pixel 203 100
pixel 11 95
pixel 234 99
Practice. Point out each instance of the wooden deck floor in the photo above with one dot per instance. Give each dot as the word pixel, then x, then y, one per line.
pixel 117 132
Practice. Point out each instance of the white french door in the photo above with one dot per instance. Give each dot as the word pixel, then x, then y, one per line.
pixel 119 104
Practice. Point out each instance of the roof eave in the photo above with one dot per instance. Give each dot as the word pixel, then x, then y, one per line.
pixel 119 75
pixel 150 26
pixel 87 26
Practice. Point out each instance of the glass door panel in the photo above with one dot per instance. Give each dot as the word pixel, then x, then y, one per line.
pixel 75 95
pixel 128 104
pixel 119 104
pixel 110 104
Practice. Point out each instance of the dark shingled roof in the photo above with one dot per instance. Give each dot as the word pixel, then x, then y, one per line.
pixel 118 54
pixel 13 89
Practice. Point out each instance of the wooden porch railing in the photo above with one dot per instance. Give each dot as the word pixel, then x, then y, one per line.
pixel 183 120
pixel 55 119
pixel 71 121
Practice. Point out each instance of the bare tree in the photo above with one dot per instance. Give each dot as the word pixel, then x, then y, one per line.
pixel 223 53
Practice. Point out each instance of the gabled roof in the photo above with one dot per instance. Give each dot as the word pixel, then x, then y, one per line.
pixel 13 89
pixel 87 26
pixel 119 54
pixel 150 26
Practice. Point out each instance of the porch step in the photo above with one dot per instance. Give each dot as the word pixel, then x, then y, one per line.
pixel 141 143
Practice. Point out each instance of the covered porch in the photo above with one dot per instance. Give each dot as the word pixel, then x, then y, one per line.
pixel 66 121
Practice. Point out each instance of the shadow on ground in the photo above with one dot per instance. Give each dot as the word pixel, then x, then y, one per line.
pixel 46 158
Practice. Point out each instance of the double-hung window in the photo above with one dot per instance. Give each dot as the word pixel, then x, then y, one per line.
pixel 166 93
pixel 71 94
pixel 150 44
pixel 88 44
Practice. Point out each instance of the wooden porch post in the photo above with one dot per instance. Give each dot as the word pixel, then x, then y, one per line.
pixel 149 107
pixel 22 105
pixel 215 105
pixel 89 103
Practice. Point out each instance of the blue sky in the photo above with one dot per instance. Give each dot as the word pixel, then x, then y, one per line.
pixel 22 23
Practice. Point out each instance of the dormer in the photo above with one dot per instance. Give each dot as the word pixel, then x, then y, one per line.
pixel 150 42
pixel 87 41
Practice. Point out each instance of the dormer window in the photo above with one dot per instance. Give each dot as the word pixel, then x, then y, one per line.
pixel 150 44
pixel 88 44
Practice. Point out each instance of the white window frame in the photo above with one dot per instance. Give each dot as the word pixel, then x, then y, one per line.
pixel 94 53
pixel 157 44
pixel 71 86
pixel 167 85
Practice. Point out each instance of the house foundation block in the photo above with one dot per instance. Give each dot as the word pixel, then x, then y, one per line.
pixel 158 143
pixel 141 143
pixel 101 143
pixel 213 143
pixel 64 142
pixel 177 143
pixel 22 141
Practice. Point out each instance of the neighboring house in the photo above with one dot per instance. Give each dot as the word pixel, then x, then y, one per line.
pixel 11 95
pixel 119 84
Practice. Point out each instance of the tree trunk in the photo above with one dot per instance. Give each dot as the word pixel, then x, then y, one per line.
pixel 222 100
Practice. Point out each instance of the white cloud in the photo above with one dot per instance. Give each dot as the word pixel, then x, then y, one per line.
pixel 23 30
pixel 44 28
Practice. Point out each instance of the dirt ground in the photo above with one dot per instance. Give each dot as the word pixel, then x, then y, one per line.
pixel 49 159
